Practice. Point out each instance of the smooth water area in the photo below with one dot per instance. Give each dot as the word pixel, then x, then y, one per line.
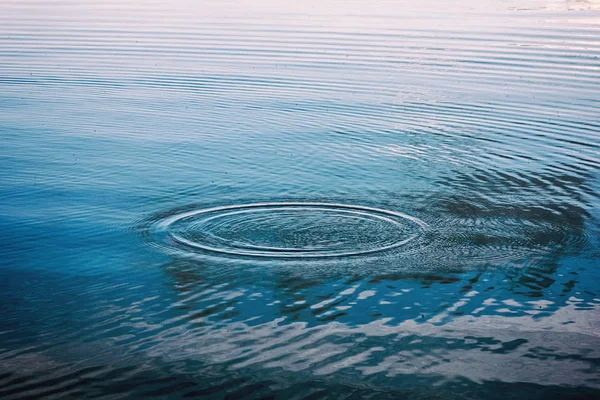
pixel 300 200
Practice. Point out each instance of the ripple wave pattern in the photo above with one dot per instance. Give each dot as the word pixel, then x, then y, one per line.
pixel 300 200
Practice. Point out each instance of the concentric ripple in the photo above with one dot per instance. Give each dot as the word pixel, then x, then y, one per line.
pixel 288 230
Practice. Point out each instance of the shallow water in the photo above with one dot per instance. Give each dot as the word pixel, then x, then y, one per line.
pixel 332 199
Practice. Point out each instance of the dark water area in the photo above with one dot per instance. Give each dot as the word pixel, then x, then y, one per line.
pixel 300 200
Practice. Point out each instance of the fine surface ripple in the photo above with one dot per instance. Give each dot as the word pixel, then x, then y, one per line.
pixel 320 199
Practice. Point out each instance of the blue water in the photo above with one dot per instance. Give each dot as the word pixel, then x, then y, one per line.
pixel 330 199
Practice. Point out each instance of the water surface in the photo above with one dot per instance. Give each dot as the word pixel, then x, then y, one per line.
pixel 331 199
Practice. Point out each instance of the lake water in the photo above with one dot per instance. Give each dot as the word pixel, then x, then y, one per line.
pixel 300 200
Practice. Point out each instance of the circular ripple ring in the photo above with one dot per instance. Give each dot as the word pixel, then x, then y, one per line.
pixel 350 230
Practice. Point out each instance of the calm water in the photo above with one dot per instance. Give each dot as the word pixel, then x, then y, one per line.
pixel 314 199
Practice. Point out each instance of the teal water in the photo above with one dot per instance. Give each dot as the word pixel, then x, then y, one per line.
pixel 328 199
